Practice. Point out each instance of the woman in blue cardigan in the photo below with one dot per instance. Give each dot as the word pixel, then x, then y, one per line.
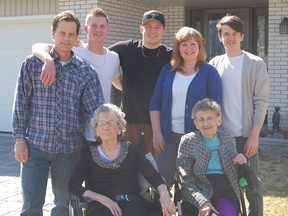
pixel 181 83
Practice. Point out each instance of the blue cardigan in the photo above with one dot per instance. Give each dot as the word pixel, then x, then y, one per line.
pixel 206 84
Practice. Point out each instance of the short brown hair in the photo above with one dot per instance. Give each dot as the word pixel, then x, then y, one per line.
pixel 184 34
pixel 232 21
pixel 67 16
pixel 97 12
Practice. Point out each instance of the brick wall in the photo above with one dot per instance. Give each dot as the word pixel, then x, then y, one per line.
pixel 175 19
pixel 125 17
pixel 278 62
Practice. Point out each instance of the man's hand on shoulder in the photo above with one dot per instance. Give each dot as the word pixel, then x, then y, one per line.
pixel 48 73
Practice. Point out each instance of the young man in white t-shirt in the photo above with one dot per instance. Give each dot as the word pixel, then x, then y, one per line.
pixel 102 59
pixel 245 98
pixel 105 62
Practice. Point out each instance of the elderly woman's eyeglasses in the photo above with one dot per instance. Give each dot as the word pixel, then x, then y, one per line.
pixel 109 123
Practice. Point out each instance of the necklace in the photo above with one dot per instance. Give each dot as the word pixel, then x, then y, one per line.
pixel 142 49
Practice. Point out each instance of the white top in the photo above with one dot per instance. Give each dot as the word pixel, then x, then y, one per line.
pixel 179 93
pixel 107 67
pixel 231 72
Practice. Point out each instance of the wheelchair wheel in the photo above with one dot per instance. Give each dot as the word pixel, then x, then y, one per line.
pixel 75 208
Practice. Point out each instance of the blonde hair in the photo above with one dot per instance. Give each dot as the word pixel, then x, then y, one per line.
pixel 183 35
pixel 96 12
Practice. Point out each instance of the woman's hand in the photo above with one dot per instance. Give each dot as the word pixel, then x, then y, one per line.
pixel 112 205
pixel 106 201
pixel 206 209
pixel 168 207
pixel 158 142
pixel 240 159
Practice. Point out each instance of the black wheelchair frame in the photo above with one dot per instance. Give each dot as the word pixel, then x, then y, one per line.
pixel 244 171
pixel 77 206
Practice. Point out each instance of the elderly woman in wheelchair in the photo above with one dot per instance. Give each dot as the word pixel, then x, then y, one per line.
pixel 209 158
pixel 110 166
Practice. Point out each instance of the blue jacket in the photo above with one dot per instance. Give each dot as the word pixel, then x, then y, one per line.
pixel 206 84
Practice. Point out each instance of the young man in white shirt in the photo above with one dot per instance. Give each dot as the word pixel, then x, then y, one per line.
pixel 245 98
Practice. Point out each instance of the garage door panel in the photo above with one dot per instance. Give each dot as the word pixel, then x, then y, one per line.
pixel 6 116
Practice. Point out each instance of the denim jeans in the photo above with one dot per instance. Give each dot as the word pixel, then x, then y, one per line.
pixel 255 195
pixel 34 177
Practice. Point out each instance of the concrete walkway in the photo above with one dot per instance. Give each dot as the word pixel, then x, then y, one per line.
pixel 10 188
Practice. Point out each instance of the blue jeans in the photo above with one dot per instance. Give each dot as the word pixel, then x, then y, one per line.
pixel 34 177
pixel 255 195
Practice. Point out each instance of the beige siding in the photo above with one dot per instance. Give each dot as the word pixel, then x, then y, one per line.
pixel 27 7
pixel 278 62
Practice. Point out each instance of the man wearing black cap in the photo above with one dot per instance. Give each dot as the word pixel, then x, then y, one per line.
pixel 141 62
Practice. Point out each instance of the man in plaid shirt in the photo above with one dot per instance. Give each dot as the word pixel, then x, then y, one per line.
pixel 49 121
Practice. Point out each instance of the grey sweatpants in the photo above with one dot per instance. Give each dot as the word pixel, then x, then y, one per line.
pixel 166 161
pixel 255 195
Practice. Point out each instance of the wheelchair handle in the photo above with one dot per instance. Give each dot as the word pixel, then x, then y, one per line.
pixel 247 173
pixel 182 172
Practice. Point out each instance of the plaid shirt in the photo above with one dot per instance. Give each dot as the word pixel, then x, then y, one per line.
pixel 53 118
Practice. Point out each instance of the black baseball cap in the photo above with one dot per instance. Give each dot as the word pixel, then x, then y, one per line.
pixel 153 15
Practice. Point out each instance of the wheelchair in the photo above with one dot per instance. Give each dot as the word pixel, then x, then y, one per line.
pixel 245 174
pixel 78 206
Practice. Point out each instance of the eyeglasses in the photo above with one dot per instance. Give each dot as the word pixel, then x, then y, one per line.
pixel 109 123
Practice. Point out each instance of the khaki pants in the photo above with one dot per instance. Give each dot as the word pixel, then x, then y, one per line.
pixel 133 134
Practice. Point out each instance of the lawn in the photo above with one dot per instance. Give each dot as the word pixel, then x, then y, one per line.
pixel 274 175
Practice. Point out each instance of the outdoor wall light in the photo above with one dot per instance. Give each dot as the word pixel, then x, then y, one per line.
pixel 284 26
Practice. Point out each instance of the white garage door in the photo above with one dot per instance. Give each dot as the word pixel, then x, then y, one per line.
pixel 17 36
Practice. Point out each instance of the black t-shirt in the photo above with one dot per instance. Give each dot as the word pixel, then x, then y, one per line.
pixel 140 67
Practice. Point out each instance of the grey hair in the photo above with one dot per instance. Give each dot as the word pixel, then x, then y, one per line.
pixel 110 108
pixel 206 104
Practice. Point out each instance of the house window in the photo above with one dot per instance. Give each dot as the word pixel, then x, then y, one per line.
pixel 284 26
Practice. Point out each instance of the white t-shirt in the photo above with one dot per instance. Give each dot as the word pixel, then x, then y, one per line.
pixel 107 67
pixel 231 73
pixel 179 94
